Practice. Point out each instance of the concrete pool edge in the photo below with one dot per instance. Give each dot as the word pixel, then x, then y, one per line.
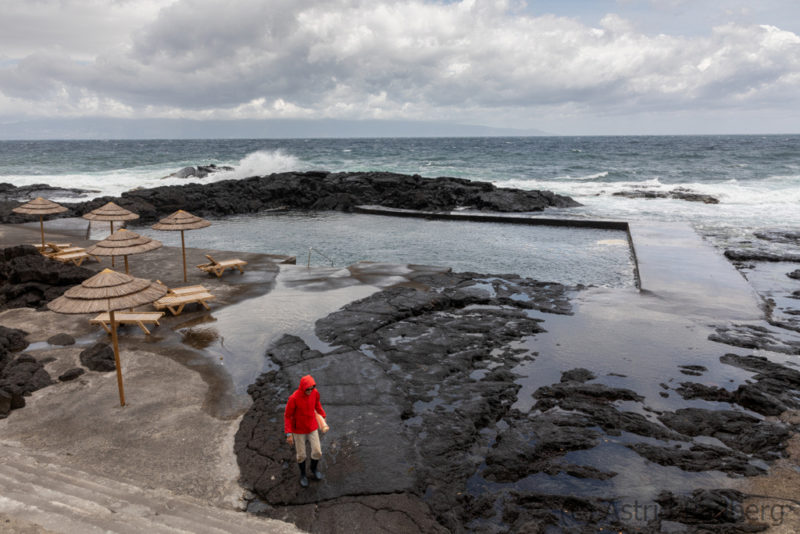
pixel 670 260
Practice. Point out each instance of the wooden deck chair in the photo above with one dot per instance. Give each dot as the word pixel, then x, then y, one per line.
pixel 121 317
pixel 175 303
pixel 218 267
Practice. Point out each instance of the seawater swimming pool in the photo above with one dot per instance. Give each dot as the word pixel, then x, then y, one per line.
pixel 567 255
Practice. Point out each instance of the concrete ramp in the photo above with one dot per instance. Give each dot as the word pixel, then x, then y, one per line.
pixel 689 276
pixel 47 497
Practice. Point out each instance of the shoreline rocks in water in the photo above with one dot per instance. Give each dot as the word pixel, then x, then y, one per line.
pixel 201 171
pixel 318 190
pixel 680 193
pixel 25 193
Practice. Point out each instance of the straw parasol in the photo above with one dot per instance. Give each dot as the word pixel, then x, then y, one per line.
pixel 111 212
pixel 109 291
pixel 41 207
pixel 122 243
pixel 181 220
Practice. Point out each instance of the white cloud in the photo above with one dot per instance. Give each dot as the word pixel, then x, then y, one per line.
pixel 470 60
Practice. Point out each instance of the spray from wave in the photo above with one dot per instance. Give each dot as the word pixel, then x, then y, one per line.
pixel 264 162
pixel 115 182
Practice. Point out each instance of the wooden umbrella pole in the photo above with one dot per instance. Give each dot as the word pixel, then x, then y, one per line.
pixel 183 251
pixel 115 342
pixel 41 228
pixel 126 264
pixel 112 231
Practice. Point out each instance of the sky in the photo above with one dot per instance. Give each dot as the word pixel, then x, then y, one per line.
pixel 567 67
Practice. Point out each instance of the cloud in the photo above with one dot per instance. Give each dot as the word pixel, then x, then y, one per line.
pixel 469 60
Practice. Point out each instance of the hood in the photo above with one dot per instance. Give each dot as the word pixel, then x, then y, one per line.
pixel 306 382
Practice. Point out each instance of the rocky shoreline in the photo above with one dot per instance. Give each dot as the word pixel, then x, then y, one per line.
pixel 433 437
pixel 312 190
pixel 429 439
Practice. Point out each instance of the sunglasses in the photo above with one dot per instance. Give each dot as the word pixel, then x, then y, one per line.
pixel 310 389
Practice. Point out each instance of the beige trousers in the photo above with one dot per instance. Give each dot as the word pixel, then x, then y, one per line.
pixel 300 446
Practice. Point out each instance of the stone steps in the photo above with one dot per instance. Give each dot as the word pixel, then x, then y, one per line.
pixel 39 490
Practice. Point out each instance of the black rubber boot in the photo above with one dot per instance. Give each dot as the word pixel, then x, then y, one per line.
pixel 316 474
pixel 303 479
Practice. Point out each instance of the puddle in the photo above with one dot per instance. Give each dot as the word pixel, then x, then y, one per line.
pixel 241 333
pixel 626 344
pixel 90 339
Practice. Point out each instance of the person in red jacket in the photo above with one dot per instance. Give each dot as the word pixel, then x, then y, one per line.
pixel 300 424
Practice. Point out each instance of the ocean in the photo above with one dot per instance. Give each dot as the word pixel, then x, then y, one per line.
pixel 756 180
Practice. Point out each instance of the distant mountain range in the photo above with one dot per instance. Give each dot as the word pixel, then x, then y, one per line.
pixel 107 128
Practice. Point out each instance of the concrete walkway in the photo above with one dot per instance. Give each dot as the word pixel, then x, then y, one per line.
pixel 49 497
pixel 689 276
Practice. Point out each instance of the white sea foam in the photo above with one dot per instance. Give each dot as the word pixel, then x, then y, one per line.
pixel 115 182
pixel 772 201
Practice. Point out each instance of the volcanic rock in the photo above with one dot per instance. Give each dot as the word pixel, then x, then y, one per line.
pixel 29 279
pixel 61 339
pixel 99 357
pixel 434 367
pixel 22 376
pixel 323 190
pixel 71 374
pixel 714 510
pixel 679 193
pixel 201 171
pixel 745 255
pixel 754 337
pixel 737 430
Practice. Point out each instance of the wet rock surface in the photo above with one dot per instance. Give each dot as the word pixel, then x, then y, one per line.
pixel 679 193
pixel 754 336
pixel 771 391
pixel 200 171
pixel 318 190
pixel 20 377
pixel 417 385
pixel 25 193
pixel 29 279
pixel 11 341
pixel 99 357
pixel 420 389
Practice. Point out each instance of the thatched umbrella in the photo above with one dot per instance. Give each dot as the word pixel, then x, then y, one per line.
pixel 181 220
pixel 109 291
pixel 41 207
pixel 111 212
pixel 124 242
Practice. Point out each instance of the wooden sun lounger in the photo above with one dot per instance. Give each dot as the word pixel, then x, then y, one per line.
pixel 176 303
pixel 185 290
pixel 218 267
pixel 54 249
pixel 137 318
pixel 45 249
pixel 77 258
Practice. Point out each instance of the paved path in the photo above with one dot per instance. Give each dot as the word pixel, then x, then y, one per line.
pixel 689 275
pixel 41 491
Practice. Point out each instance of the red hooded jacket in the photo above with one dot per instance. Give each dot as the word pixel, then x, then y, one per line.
pixel 299 418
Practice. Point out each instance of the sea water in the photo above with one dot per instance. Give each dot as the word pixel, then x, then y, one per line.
pixel 756 180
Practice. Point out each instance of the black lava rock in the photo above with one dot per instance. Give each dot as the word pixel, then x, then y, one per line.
pixel 61 339
pixel 71 374
pixel 99 357
pixel 28 279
